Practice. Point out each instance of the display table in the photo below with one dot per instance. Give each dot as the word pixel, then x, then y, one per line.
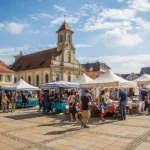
pixel 31 103
pixel 59 106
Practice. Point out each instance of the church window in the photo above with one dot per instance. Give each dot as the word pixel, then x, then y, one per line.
pixel 61 38
pixel 57 77
pixel 46 78
pixel 69 38
pixel 69 57
pixel 15 79
pixel 1 77
pixel 29 79
pixel 69 77
pixel 37 80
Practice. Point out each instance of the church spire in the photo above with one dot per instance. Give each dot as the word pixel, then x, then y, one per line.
pixel 65 26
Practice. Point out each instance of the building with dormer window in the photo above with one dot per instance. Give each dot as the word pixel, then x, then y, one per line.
pixel 94 70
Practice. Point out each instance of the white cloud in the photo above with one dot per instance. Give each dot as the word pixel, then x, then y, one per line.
pixel 92 7
pixel 70 19
pixel 99 23
pixel 142 23
pixel 40 16
pixel 118 13
pixel 7 50
pixel 121 64
pixel 59 8
pixel 82 46
pixel 82 13
pixel 15 28
pixel 118 37
pixel 139 5
pixel 1 25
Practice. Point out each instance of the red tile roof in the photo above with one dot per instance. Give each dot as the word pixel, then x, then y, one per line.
pixel 3 67
pixel 64 26
pixel 36 60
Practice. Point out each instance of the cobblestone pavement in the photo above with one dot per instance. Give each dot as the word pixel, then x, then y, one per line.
pixel 28 129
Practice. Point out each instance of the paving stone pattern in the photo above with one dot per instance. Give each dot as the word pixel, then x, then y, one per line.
pixel 27 129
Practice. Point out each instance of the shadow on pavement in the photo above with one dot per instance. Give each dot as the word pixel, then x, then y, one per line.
pixel 62 132
pixel 24 116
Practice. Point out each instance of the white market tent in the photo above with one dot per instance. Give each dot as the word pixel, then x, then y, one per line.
pixel 144 79
pixel 109 79
pixel 21 85
pixel 58 84
pixel 83 79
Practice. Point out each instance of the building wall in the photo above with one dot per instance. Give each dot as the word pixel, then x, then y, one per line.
pixel 3 82
pixel 93 74
pixel 52 71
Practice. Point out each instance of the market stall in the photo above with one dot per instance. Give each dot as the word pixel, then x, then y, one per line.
pixel 109 80
pixel 21 85
pixel 143 80
pixel 82 79
pixel 61 104
pixel 57 84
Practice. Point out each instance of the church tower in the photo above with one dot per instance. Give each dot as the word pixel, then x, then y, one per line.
pixel 64 44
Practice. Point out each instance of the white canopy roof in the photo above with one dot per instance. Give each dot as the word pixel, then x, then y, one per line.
pixel 57 84
pixel 144 79
pixel 22 86
pixel 83 79
pixel 109 79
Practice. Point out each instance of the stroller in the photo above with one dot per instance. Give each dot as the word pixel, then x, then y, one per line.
pixel 9 107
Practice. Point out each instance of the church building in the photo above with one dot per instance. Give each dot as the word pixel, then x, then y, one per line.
pixel 57 63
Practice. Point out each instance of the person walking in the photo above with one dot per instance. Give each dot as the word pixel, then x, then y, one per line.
pixel 13 101
pixel 103 106
pixel 4 102
pixel 144 97
pixel 85 104
pixel 46 102
pixel 41 100
pixel 122 103
pixel 72 107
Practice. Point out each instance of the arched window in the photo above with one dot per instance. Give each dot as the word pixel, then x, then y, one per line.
pixel 29 79
pixel 15 79
pixel 37 80
pixel 61 38
pixel 21 77
pixel 46 78
pixel 69 57
pixel 69 38
pixel 57 77
pixel 69 77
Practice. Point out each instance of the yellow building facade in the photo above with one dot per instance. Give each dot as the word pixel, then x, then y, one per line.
pixel 6 75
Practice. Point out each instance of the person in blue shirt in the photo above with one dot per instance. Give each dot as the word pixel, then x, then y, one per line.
pixel 122 103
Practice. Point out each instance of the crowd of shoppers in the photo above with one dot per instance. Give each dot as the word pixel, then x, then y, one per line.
pixel 8 101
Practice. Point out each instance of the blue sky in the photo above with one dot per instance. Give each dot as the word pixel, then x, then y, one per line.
pixel 116 32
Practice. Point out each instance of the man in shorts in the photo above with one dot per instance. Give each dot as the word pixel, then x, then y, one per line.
pixel 85 103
